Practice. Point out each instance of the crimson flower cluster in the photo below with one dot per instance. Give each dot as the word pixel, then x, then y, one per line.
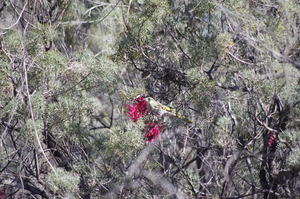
pixel 153 131
pixel 138 110
pixel 271 139
pixel 2 195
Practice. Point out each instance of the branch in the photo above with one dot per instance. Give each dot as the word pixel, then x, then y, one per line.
pixel 93 21
pixel 239 59
pixel 231 88
pixel 32 115
pixel 187 178
pixel 179 45
pixel 266 126
pixel 136 65
pixel 72 86
pixel 165 184
pixel 18 18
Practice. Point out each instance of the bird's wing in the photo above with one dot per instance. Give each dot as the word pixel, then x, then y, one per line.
pixel 161 110
pixel 166 108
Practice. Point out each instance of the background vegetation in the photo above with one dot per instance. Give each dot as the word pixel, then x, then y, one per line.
pixel 68 67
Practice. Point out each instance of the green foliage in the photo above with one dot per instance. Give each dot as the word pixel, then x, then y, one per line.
pixel 224 40
pixel 130 94
pixel 94 70
pixel 293 160
pixel 232 66
pixel 126 140
pixel 194 76
pixel 291 136
pixel 55 62
pixel 201 94
pixel 63 181
pixel 38 103
pixel 13 41
pixel 31 128
pixel 289 87
pixel 223 136
pixel 144 24
pixel 40 38
pixel 14 107
pixel 45 74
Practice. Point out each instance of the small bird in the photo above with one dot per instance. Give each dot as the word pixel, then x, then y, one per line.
pixel 161 110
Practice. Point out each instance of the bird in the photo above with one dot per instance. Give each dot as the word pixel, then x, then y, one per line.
pixel 156 108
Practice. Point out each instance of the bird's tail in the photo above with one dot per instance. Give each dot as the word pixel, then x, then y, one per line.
pixel 184 118
pixel 174 114
pixel 166 108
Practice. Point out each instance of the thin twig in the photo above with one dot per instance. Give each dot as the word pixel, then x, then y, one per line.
pixel 244 62
pixel 32 115
pixel 18 18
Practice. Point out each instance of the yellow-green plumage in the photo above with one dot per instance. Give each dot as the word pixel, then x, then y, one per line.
pixel 157 109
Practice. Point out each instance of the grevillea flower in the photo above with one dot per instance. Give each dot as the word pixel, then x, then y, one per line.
pixel 271 139
pixel 134 113
pixel 138 110
pixel 2 195
pixel 141 105
pixel 153 131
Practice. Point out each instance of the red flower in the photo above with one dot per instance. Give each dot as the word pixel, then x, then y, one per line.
pixel 271 139
pixel 153 131
pixel 138 110
pixel 134 113
pixel 2 194
pixel 141 105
